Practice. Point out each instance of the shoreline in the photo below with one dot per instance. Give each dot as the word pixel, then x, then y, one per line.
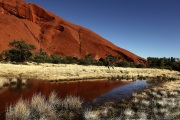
pixel 156 102
pixel 74 72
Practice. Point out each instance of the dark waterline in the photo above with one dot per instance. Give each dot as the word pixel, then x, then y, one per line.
pixel 122 92
pixel 90 91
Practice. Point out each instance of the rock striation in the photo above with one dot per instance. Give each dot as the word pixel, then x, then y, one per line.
pixel 43 29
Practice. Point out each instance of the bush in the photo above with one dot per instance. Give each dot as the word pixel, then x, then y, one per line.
pixel 20 51
pixel 123 64
pixel 98 63
pixel 20 111
pixel 1 58
pixel 164 63
pixel 140 66
pixel 133 65
pixel 55 59
pixel 71 103
pixel 84 62
pixel 39 107
pixel 70 60
pixel 87 60
pixel 41 57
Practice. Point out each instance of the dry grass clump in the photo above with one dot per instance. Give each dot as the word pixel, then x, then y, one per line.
pixel 41 109
pixel 38 107
pixel 158 103
pixel 91 115
pixel 19 111
pixel 4 82
pixel 71 103
pixel 54 100
pixel 51 72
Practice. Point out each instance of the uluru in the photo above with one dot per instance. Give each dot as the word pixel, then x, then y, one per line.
pixel 20 20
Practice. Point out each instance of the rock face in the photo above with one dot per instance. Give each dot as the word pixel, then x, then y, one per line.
pixel 22 20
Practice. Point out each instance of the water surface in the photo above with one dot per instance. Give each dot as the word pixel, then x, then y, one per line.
pixel 90 91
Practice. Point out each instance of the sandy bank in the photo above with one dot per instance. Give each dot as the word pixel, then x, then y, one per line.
pixel 74 72
pixel 159 102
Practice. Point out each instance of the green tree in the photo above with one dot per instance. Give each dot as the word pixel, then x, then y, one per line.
pixel 140 66
pixel 167 63
pixel 55 59
pixel 1 58
pixel 87 60
pixel 160 62
pixel 123 64
pixel 70 60
pixel 41 57
pixel 20 51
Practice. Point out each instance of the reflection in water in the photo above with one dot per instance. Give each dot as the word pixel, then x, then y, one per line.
pixel 88 90
pixel 123 91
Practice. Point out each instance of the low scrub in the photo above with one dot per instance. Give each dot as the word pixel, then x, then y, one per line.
pixel 1 58
pixel 19 111
pixel 152 104
pixel 4 82
pixel 40 107
pixel 71 103
pixel 155 103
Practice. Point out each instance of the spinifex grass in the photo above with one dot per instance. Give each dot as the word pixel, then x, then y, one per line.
pixel 38 107
pixel 50 72
pixel 160 102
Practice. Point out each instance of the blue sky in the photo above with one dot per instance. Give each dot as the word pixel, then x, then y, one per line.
pixel 144 27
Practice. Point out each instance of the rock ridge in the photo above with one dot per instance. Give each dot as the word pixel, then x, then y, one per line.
pixel 30 22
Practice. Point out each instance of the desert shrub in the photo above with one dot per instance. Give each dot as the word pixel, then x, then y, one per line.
pixel 87 60
pixel 168 67
pixel 20 51
pixel 176 66
pixel 84 61
pixel 55 59
pixel 98 63
pixel 91 115
pixel 54 100
pixel 72 103
pixel 70 60
pixel 140 66
pixel 41 57
pixel 4 81
pixel 40 107
pixel 132 64
pixel 164 63
pixel 123 64
pixel 1 58
pixel 19 111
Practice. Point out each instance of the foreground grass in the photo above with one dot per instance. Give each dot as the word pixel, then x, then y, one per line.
pixel 42 108
pixel 56 72
pixel 159 102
